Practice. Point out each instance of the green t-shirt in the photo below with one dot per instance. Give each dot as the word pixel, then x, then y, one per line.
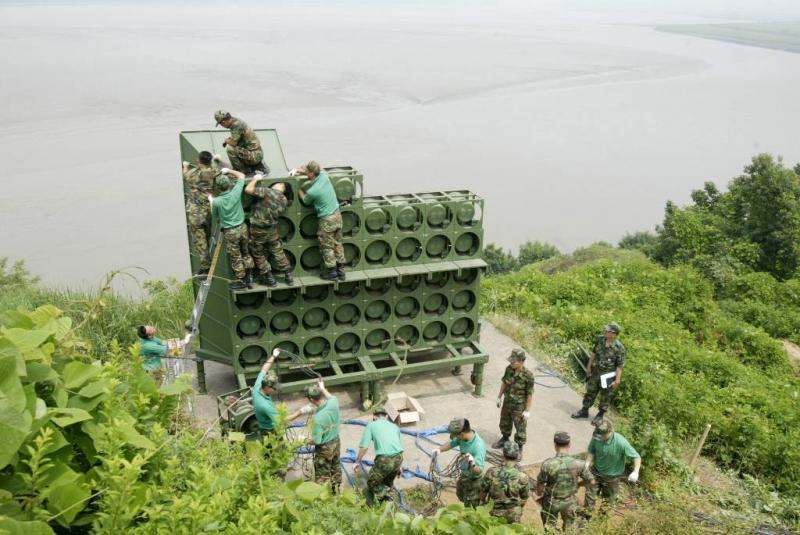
pixel 325 423
pixel 475 447
pixel 610 456
pixel 151 351
pixel 322 196
pixel 228 206
pixel 385 435
pixel 266 413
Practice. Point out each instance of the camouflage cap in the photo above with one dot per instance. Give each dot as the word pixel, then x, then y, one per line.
pixel 312 392
pixel 312 167
pixel 602 429
pixel 270 380
pixel 380 409
pixel 455 426
pixel 517 355
pixel 613 327
pixel 222 182
pixel 510 450
pixel 561 438
pixel 220 115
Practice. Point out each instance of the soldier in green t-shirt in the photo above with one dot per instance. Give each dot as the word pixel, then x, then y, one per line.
pixel 608 357
pixel 507 485
pixel 243 147
pixel 388 455
pixel 469 486
pixel 151 349
pixel 558 482
pixel 227 208
pixel 608 453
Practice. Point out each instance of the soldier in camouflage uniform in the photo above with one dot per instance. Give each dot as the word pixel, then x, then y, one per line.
pixel 608 356
pixel 507 486
pixel 264 237
pixel 469 486
pixel 557 484
pixel 243 147
pixel 227 207
pixel 388 455
pixel 199 184
pixel 517 387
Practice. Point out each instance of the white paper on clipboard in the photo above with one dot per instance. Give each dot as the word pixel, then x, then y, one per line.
pixel 607 378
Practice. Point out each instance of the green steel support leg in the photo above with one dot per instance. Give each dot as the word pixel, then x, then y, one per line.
pixel 241 380
pixel 477 373
pixel 377 394
pixel 364 394
pixel 201 376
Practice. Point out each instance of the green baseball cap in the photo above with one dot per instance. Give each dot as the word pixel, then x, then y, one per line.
pixel 380 410
pixel 613 327
pixel 221 115
pixel 455 426
pixel 561 438
pixel 602 429
pixel 222 182
pixel 517 355
pixel 270 380
pixel 510 450
pixel 312 392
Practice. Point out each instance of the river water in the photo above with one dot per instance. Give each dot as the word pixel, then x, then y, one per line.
pixel 575 123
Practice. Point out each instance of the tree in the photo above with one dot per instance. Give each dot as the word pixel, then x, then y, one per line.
pixel 530 252
pixel 644 241
pixel 499 260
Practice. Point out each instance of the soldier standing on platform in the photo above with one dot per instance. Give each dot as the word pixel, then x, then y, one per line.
pixel 558 483
pixel 469 487
pixel 264 237
pixel 507 486
pixel 228 209
pixel 517 387
pixel 388 455
pixel 199 183
pixel 608 357
pixel 243 147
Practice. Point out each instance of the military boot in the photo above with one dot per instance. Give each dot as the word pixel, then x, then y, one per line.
pixel 268 280
pixel 582 413
pixel 599 418
pixel 340 272
pixel 330 275
pixel 237 285
pixel 519 457
pixel 289 278
pixel 499 444
pixel 248 278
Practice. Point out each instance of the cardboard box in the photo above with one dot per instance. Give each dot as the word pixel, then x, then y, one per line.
pixel 403 409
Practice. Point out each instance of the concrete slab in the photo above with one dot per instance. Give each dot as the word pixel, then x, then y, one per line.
pixel 443 396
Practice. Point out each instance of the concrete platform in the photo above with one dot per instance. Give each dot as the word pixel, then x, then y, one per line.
pixel 443 396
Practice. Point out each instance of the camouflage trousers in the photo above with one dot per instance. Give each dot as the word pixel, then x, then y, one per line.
pixel 553 507
pixel 470 490
pixel 593 388
pixel 512 514
pixel 199 218
pixel 264 242
pixel 326 464
pixel 245 160
pixel 329 234
pixel 381 477
pixel 236 244
pixel 606 487
pixel 511 417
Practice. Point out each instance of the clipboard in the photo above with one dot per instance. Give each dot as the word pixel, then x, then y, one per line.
pixel 607 378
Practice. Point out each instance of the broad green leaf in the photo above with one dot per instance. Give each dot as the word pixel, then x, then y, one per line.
pixel 39 373
pixel 9 526
pixel 76 374
pixel 61 396
pixel 235 436
pixel 26 339
pixel 14 427
pixel 44 314
pixel 10 386
pixel 173 389
pixel 69 500
pixel 133 437
pixel 308 491
pixel 59 327
pixel 9 349
pixel 93 389
pixel 16 318
pixel 65 417
pixel 87 404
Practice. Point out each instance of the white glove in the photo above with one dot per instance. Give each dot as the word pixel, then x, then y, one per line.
pixel 186 164
pixel 258 176
pixel 293 172
pixel 217 158
pixel 306 409
pixel 276 352
pixel 210 199
pixel 224 170
pixel 499 402
pixel 526 414
pixel 633 477
pixel 470 459
pixel 320 384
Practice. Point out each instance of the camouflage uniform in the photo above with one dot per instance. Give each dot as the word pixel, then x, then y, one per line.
pixel 199 185
pixel 607 487
pixel 381 477
pixel 329 234
pixel 236 243
pixel 606 359
pixel 509 488
pixel 246 155
pixel 519 385
pixel 470 490
pixel 264 238
pixel 559 475
pixel 326 464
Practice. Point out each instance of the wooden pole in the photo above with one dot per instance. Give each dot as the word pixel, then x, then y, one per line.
pixel 696 453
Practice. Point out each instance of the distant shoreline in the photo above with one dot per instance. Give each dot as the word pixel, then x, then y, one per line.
pixel 774 35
